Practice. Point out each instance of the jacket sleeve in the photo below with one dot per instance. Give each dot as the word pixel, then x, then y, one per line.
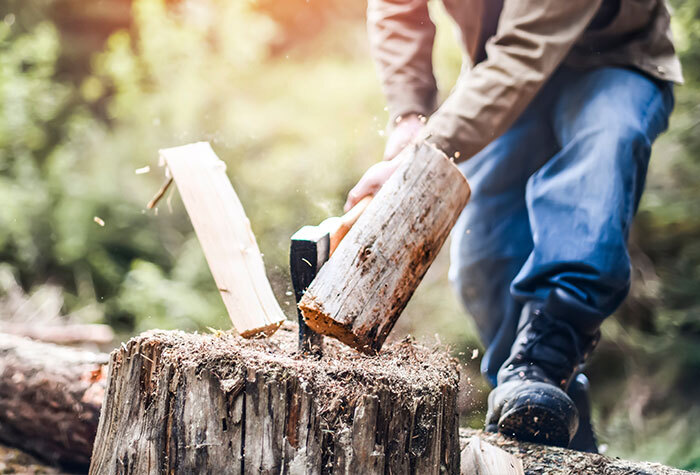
pixel 401 37
pixel 532 39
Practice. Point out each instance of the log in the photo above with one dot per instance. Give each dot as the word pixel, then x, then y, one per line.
pixel 227 239
pixel 190 403
pixel 360 292
pixel 64 334
pixel 50 399
pixel 541 459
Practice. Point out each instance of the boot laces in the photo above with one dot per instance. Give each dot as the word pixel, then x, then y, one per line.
pixel 549 332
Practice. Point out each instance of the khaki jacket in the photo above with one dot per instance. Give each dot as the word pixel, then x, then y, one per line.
pixel 515 48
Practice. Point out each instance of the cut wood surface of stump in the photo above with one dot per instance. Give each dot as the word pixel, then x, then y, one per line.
pixel 192 403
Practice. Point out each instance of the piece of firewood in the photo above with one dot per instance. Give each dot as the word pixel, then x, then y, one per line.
pixel 50 399
pixel 181 403
pixel 360 292
pixel 482 458
pixel 226 237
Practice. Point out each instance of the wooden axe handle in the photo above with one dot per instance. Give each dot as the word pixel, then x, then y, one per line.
pixel 347 221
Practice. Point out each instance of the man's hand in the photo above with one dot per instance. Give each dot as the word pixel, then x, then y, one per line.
pixel 405 130
pixel 373 179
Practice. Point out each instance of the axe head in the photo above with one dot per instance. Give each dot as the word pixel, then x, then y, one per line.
pixel 310 249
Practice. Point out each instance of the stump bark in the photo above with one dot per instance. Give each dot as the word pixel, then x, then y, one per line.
pixel 50 399
pixel 184 403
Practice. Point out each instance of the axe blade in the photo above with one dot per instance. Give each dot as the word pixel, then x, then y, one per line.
pixel 310 249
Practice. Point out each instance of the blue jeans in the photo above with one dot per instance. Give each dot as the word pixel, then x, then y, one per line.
pixel 552 204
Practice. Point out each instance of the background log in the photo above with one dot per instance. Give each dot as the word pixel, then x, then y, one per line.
pixel 64 334
pixel 360 292
pixel 50 399
pixel 542 459
pixel 184 403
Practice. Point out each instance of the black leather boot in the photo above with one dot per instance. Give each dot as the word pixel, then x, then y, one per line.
pixel 530 401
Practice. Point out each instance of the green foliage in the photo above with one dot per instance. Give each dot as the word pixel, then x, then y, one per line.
pixel 288 98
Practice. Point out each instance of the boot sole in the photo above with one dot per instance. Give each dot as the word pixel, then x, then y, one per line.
pixel 535 423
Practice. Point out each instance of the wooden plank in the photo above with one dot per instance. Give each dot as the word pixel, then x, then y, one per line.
pixel 482 458
pixel 226 237
pixel 360 292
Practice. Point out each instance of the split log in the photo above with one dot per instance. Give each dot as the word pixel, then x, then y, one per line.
pixel 188 403
pixel 50 399
pixel 227 239
pixel 360 292
pixel 482 458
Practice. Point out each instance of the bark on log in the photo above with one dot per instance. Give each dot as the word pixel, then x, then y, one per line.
pixel 360 292
pixel 68 334
pixel 50 399
pixel 541 459
pixel 184 403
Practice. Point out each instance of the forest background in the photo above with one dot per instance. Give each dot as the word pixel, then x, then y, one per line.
pixel 286 93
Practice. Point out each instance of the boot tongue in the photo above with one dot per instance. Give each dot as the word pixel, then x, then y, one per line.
pixel 562 305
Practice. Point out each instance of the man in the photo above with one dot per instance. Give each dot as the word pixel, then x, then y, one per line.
pixel 552 127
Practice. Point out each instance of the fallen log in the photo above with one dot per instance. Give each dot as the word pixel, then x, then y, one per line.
pixel 542 459
pixel 50 399
pixel 360 292
pixel 64 334
pixel 188 403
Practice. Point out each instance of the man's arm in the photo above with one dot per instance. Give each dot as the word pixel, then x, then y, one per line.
pixel 533 38
pixel 401 37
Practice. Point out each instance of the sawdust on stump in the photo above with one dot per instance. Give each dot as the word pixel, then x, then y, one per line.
pixel 340 376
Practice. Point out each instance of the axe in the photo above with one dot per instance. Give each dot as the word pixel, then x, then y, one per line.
pixel 311 247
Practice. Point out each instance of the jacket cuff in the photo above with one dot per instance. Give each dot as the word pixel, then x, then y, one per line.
pixel 443 143
pixel 408 100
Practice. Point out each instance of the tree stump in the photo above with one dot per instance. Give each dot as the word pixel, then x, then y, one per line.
pixel 216 403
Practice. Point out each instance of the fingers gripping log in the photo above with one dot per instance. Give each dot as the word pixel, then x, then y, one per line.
pixel 360 292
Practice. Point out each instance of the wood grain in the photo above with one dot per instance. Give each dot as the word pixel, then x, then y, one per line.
pixel 482 458
pixel 180 403
pixel 360 292
pixel 226 237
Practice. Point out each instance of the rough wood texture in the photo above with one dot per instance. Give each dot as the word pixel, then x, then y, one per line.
pixel 481 458
pixel 188 403
pixel 50 399
pixel 68 334
pixel 228 242
pixel 360 292
pixel 541 459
